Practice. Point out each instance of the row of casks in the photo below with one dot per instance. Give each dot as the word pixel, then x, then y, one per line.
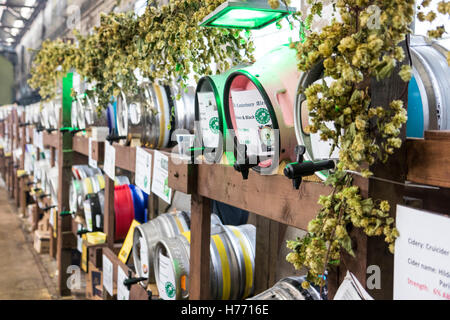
pixel 257 100
pixel 262 105
pixel 161 251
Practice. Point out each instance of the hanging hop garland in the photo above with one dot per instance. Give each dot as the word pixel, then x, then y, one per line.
pixel 363 45
pixel 166 44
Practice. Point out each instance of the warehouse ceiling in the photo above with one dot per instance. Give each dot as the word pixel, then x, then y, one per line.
pixel 16 17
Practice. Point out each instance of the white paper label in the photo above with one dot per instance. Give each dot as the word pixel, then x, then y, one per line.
pixel 351 289
pixel 27 135
pixel 108 275
pixel 422 256
pixel 52 217
pixel 41 140
pixel 92 162
pixel 80 244
pixel 209 119
pixel 122 291
pixel 144 257
pixel 143 170
pixel 253 122
pixel 166 282
pixel 110 161
pixel 160 183
pixel 88 215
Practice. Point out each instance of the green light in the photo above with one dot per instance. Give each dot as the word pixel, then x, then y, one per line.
pixel 246 19
pixel 250 14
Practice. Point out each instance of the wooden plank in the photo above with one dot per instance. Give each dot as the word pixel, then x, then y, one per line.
pixel 267 248
pixel 428 161
pixel 270 196
pixel 437 135
pixel 125 157
pixel 50 140
pixel 181 175
pixel 199 274
pixel 98 151
pixel 80 145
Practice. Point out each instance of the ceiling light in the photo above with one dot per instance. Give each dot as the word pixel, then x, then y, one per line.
pixel 241 14
pixel 10 40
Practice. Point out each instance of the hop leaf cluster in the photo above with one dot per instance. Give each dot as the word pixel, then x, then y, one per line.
pixel 363 45
pixel 166 44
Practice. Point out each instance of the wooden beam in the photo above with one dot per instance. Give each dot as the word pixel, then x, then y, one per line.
pixel 270 196
pixel 428 160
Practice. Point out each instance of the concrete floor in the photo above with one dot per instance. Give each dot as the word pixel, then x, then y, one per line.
pixel 23 275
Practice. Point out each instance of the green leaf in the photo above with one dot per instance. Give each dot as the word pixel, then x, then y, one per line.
pixel 346 243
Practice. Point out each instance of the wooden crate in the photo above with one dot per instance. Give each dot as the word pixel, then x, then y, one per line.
pixel 42 241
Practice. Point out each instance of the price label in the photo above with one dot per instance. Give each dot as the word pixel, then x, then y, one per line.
pixel 108 275
pixel 122 291
pixel 92 162
pixel 110 161
pixel 35 137
pixel 209 119
pixel 160 183
pixel 166 286
pixel 88 215
pixel 143 170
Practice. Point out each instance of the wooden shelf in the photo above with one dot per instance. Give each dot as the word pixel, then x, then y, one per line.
pixel 137 292
pixel 428 159
pixel 272 197
pixel 50 140
pixel 80 145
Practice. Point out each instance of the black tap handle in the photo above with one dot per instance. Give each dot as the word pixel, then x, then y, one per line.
pixel 297 170
pixel 114 138
pixel 243 168
pixel 30 183
pixel 83 231
pixel 130 281
pixel 42 196
pixel 51 130
pixel 49 208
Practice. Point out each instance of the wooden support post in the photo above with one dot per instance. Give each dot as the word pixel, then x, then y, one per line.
pixel 153 206
pixel 199 274
pixel 109 222
pixel 266 256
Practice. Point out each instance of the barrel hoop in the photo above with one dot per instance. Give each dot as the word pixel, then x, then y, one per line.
pixel 179 225
pixel 226 277
pixel 247 262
